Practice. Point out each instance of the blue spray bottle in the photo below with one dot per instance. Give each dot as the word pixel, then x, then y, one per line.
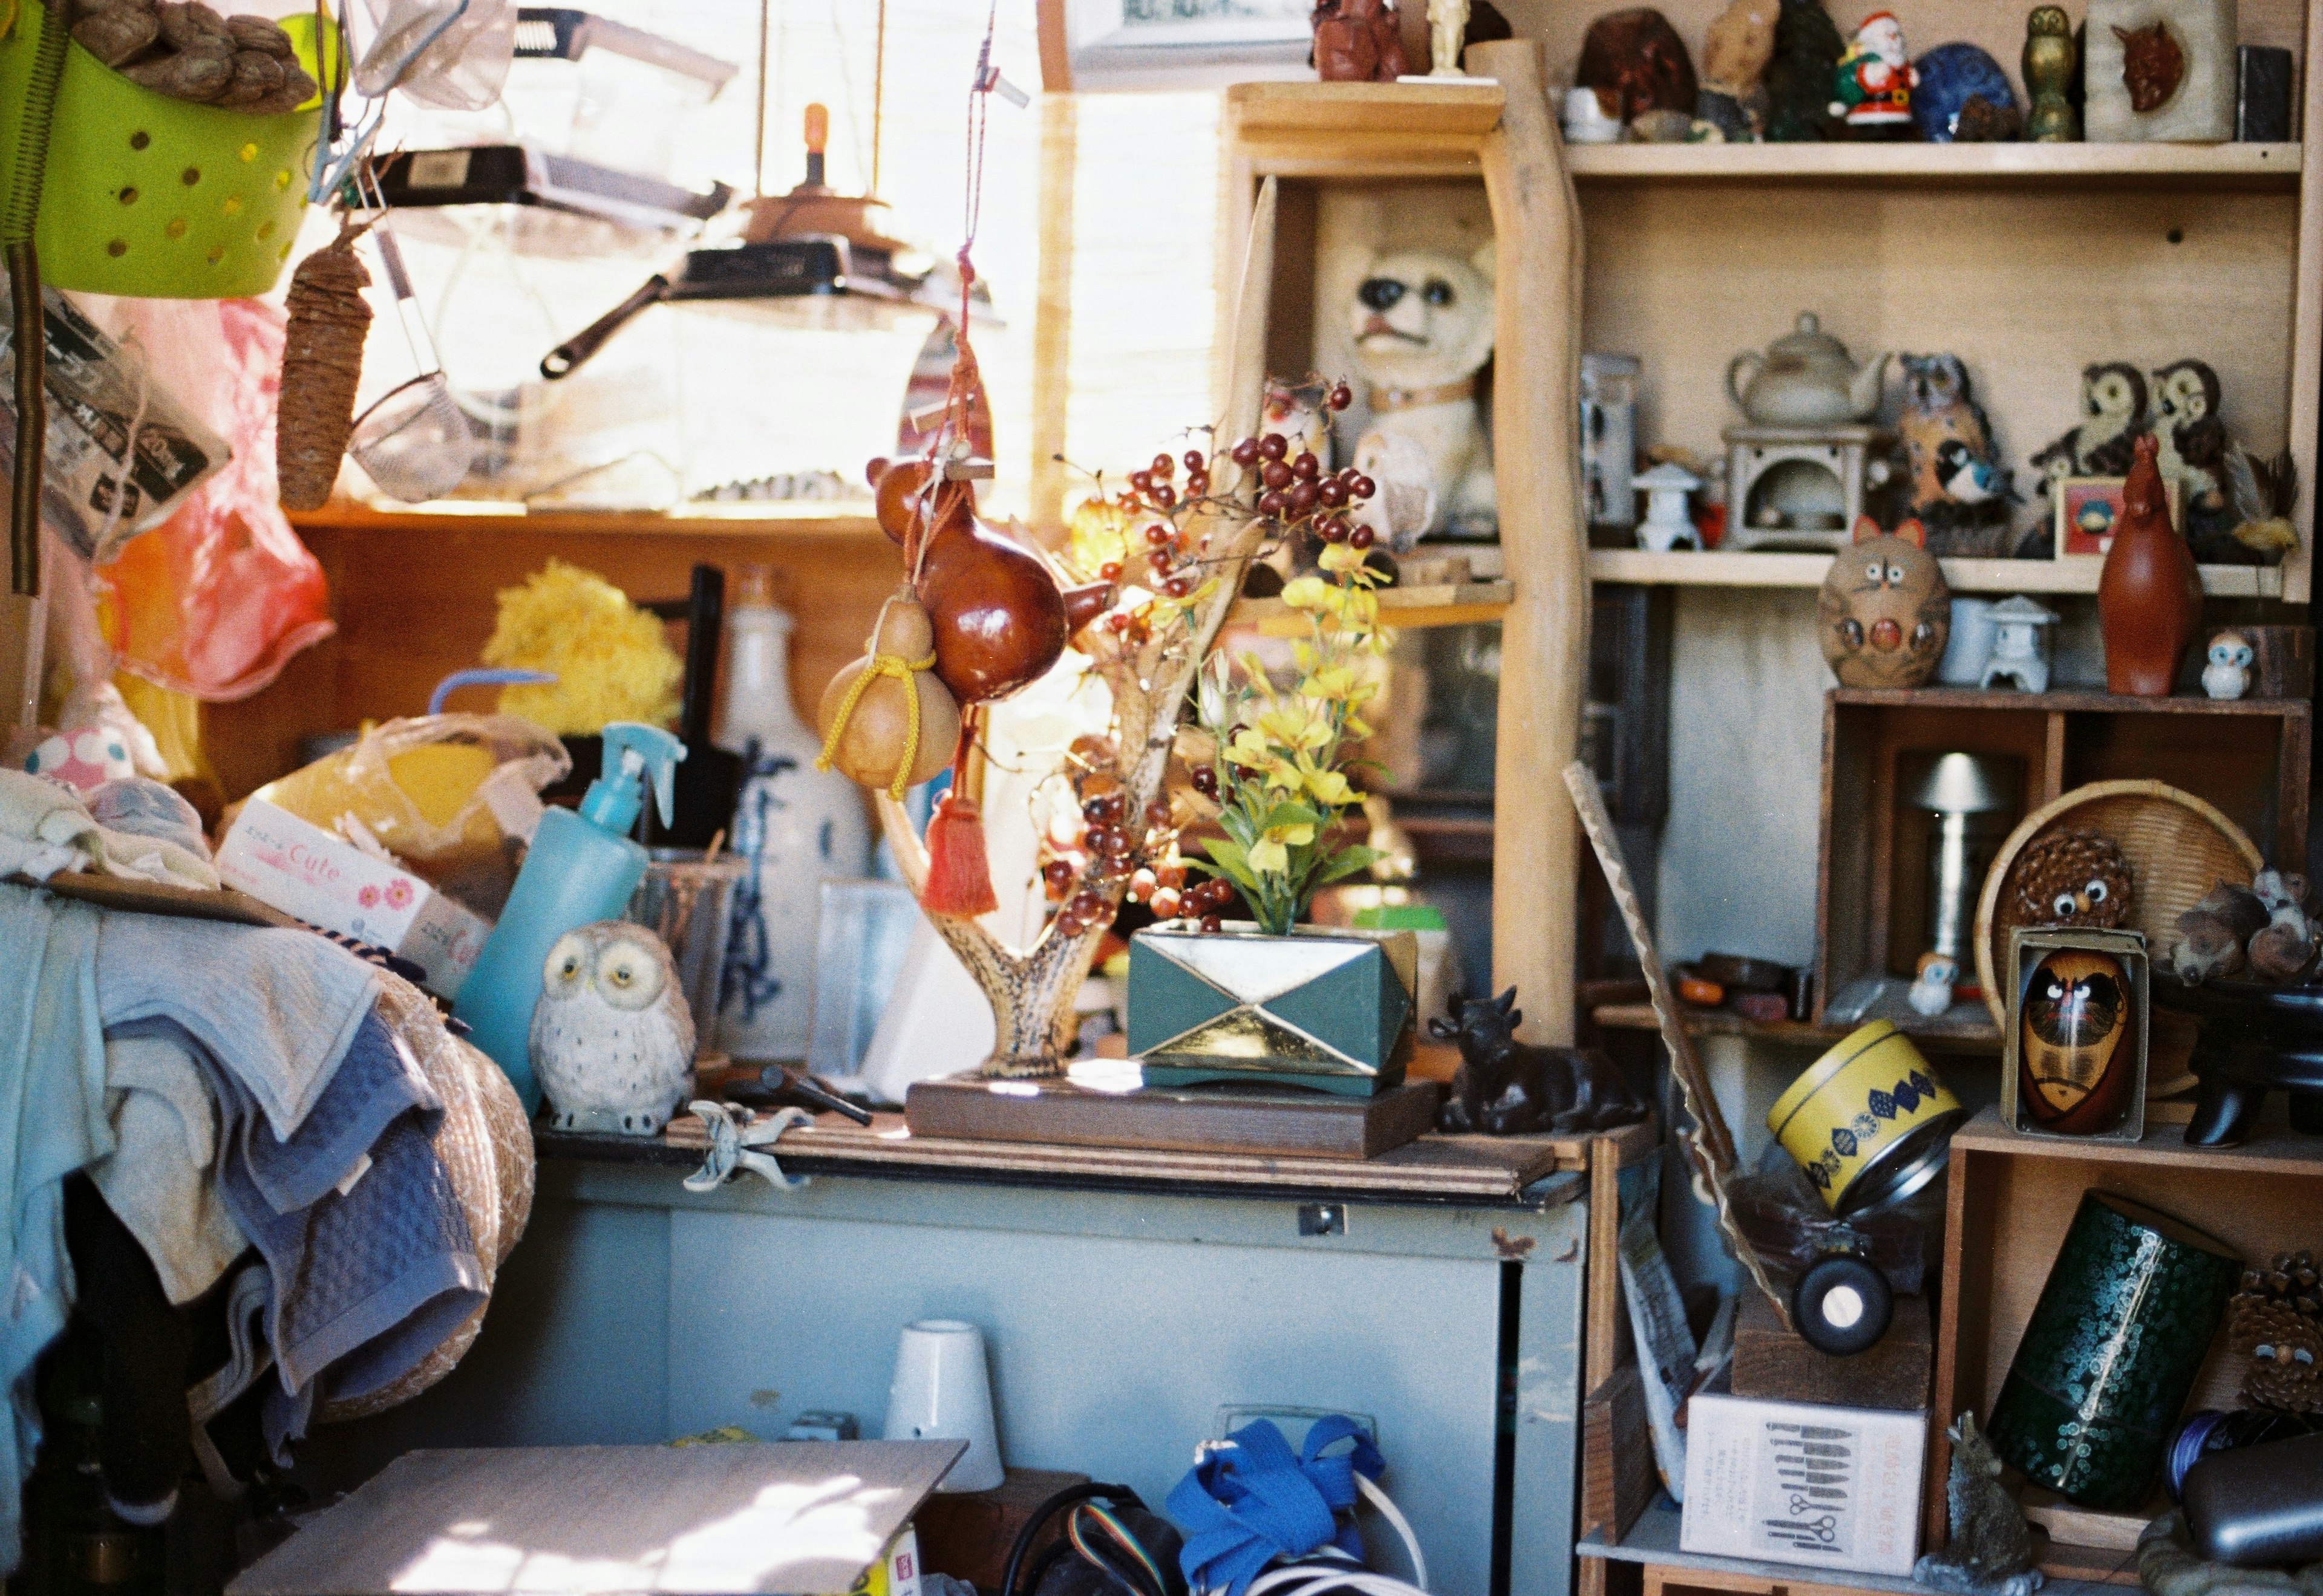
pixel 583 868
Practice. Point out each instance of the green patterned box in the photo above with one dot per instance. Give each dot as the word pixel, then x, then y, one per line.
pixel 2112 1352
pixel 1328 1009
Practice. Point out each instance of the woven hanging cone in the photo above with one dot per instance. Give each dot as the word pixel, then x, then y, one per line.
pixel 2276 1321
pixel 322 362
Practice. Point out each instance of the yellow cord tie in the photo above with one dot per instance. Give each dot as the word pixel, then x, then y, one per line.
pixel 883 665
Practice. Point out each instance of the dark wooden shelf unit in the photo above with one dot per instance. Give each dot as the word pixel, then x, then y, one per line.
pixel 2248 756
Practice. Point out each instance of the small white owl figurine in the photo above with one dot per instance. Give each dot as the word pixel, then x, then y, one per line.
pixel 1932 993
pixel 2227 673
pixel 613 1041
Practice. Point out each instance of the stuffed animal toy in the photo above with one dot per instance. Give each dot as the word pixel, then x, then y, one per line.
pixel 1421 323
pixel 1885 613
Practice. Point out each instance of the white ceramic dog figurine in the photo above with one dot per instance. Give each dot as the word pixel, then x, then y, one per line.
pixel 1422 326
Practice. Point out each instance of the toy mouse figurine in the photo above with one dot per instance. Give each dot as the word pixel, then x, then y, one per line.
pixel 1871 89
pixel 1506 1088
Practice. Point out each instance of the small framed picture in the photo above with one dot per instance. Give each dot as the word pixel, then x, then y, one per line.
pixel 2088 506
pixel 2074 1059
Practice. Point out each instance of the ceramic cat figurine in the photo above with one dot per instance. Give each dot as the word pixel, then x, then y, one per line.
pixel 1885 613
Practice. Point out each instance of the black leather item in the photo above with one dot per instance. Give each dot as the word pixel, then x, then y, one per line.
pixel 2259 1504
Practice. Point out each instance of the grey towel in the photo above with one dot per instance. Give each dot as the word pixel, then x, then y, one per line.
pixel 278 1008
pixel 161 1180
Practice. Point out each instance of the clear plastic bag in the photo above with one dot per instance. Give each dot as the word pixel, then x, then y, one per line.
pixel 462 70
pixel 450 796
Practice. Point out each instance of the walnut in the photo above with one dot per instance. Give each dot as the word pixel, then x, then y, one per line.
pixel 256 32
pixel 2071 879
pixel 117 33
pixel 194 75
pixel 297 89
pixel 189 24
pixel 257 76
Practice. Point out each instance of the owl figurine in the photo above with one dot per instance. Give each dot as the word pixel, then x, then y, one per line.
pixel 1960 490
pixel 2077 878
pixel 2076 1050
pixel 2113 410
pixel 613 1041
pixel 1885 613
pixel 2194 444
pixel 2227 673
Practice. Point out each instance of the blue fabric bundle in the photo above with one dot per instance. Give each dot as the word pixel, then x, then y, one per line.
pixel 1254 1501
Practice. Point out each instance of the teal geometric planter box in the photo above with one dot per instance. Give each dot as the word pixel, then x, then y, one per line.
pixel 1328 1009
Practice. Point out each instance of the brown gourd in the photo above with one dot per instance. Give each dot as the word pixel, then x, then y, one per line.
pixel 879 730
pixel 1000 620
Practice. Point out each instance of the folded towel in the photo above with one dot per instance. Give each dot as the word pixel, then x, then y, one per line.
pixel 39 811
pixel 277 1008
pixel 378 1270
pixel 161 1179
pixel 51 1123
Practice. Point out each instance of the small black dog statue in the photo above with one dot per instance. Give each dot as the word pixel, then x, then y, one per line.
pixel 1507 1087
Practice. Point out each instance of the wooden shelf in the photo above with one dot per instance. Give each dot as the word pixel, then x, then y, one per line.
pixel 803 518
pixel 2272 1150
pixel 1406 110
pixel 2207 166
pixel 2073 704
pixel 1444 604
pixel 1973 1032
pixel 1723 568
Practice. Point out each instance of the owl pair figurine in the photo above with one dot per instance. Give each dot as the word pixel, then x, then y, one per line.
pixel 612 1038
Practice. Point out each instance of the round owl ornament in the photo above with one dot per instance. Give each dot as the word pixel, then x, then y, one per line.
pixel 612 1039
pixel 2076 1056
pixel 2078 878
pixel 1885 613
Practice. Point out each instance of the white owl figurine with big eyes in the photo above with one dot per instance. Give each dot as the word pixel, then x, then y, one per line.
pixel 613 1041
pixel 2229 671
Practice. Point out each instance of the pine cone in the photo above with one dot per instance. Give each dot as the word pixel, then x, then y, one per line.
pixel 2276 1321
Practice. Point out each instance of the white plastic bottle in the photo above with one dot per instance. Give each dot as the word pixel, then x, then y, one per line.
pixel 798 826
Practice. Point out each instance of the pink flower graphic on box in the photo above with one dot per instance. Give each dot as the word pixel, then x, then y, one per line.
pixel 367 896
pixel 399 894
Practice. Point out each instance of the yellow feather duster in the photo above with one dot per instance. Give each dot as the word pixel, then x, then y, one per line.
pixel 610 659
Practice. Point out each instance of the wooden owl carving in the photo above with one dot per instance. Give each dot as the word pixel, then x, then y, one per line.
pixel 1885 613
pixel 613 1041
pixel 2071 879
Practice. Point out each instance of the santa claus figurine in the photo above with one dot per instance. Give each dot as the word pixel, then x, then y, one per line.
pixel 1872 87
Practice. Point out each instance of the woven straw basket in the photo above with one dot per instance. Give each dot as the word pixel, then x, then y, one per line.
pixel 2178 848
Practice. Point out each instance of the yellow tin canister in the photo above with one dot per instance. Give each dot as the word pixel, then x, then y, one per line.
pixel 1869 1122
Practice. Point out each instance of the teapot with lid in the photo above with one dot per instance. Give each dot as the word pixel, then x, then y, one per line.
pixel 1806 379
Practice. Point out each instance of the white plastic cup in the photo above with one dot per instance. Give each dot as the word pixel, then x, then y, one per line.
pixel 941 1392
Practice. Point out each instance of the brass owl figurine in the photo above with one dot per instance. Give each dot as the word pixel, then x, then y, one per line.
pixel 1885 612
pixel 2071 879
pixel 2048 59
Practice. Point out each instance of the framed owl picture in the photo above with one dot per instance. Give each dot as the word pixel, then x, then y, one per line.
pixel 2088 506
pixel 2074 1056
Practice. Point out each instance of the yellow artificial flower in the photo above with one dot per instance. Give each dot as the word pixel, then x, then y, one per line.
pixel 1271 852
pixel 1252 751
pixel 1293 724
pixel 1308 592
pixel 1336 683
pixel 1340 559
pixel 1327 786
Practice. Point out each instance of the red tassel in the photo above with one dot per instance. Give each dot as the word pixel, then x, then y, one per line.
pixel 960 875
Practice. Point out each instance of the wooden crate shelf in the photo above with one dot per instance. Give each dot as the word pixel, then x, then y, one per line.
pixel 2249 758
pixel 1443 604
pixel 2276 166
pixel 2011 1198
pixel 1737 568
pixel 1971 1032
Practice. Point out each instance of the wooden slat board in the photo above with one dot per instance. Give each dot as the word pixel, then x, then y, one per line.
pixel 1769 568
pixel 1439 1169
pixel 1284 1123
pixel 800 1518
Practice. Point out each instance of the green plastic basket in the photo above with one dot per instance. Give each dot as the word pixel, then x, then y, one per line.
pixel 155 197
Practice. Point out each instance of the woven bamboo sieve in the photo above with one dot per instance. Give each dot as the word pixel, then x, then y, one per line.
pixel 2178 848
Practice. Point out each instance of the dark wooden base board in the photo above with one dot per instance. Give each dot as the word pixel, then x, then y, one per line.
pixel 1285 1122
pixel 1776 1366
